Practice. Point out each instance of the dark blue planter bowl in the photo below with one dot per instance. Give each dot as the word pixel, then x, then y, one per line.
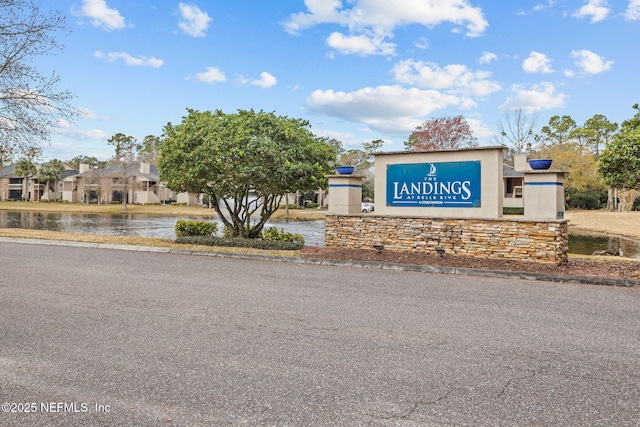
pixel 539 164
pixel 345 170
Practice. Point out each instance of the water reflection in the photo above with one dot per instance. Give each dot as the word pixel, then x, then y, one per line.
pixel 587 245
pixel 135 225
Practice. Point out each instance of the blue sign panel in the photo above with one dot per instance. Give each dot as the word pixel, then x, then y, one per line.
pixel 445 184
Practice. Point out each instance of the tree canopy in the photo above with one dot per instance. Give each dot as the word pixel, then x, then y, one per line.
pixel 245 162
pixel 581 165
pixel 25 167
pixel 441 134
pixel 558 131
pixel 50 172
pixel 30 102
pixel 620 160
pixel 92 161
pixel 125 147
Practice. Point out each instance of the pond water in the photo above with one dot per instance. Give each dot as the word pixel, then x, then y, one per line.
pixel 163 227
pixel 586 245
pixel 136 225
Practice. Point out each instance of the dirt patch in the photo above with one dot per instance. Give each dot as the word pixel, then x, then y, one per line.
pixel 600 267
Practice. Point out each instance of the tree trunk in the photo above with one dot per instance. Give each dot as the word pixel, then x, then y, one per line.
pixel 627 197
pixel 286 204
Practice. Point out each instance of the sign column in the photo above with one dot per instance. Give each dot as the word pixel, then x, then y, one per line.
pixel 345 194
pixel 544 194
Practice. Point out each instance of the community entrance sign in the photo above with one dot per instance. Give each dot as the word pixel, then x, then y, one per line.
pixel 456 183
pixel 449 201
pixel 441 184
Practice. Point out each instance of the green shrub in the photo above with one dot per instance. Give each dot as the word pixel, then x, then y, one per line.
pixel 272 233
pixel 291 206
pixel 239 242
pixel 311 205
pixel 512 211
pixel 227 233
pixel 589 199
pixel 178 203
pixel 195 228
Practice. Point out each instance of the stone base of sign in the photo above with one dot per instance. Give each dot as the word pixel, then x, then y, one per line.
pixel 531 240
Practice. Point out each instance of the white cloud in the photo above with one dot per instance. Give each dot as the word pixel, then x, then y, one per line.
pixel 85 113
pixel 488 57
pixel 479 128
pixel 591 63
pixel 633 10
pixel 540 97
pixel 455 78
pixel 140 61
pixel 320 12
pixel 194 22
pixel 596 9
pixel 542 6
pixel 102 16
pixel 266 80
pixel 340 136
pixel 537 63
pixel 348 139
pixel 383 108
pixel 363 45
pixel 381 17
pixel 211 75
pixel 422 43
pixel 63 128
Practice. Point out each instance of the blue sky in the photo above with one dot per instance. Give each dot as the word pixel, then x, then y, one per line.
pixel 357 70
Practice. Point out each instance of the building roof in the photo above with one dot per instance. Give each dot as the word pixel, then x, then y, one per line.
pixel 510 172
pixel 133 169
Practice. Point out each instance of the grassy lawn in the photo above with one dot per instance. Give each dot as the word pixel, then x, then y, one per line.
pixel 129 240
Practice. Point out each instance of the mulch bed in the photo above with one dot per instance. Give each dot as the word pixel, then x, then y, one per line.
pixel 610 268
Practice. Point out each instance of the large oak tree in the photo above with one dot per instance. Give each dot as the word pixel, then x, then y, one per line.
pixel 245 162
pixel 620 160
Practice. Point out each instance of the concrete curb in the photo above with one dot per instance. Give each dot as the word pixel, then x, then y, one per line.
pixel 558 278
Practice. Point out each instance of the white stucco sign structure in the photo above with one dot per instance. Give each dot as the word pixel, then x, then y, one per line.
pixel 460 183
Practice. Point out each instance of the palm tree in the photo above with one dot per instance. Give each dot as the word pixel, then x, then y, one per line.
pixel 25 168
pixel 50 172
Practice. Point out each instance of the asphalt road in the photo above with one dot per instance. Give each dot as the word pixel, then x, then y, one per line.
pixel 105 337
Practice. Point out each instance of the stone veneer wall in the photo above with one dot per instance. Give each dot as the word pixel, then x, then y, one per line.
pixel 541 241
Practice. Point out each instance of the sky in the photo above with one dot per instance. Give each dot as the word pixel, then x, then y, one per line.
pixel 357 70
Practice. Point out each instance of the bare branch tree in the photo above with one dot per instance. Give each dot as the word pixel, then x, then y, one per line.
pixel 30 102
pixel 517 128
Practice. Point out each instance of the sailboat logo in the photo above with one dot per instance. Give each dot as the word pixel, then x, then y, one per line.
pixel 432 170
